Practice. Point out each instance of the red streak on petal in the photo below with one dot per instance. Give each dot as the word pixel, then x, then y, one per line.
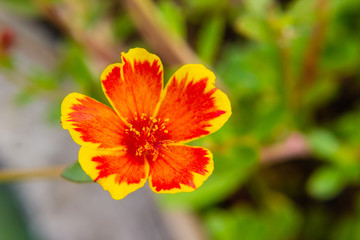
pixel 112 79
pixel 189 108
pixel 136 89
pixel 126 168
pixel 176 166
pixel 97 123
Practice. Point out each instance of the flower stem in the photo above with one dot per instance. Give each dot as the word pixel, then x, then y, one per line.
pixel 9 175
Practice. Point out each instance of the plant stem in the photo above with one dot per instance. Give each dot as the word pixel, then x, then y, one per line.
pixel 313 51
pixel 293 146
pixel 8 175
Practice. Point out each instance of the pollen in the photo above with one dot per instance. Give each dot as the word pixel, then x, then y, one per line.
pixel 147 136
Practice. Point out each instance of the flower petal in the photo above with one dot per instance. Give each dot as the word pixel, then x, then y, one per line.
pixel 180 168
pixel 192 104
pixel 116 171
pixel 135 85
pixel 91 123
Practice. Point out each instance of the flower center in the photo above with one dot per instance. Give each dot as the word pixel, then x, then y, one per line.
pixel 147 136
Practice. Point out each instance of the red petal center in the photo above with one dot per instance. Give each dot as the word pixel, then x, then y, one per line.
pixel 146 136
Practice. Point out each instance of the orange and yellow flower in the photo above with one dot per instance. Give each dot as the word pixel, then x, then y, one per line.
pixel 142 138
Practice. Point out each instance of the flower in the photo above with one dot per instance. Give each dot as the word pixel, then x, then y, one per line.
pixel 142 138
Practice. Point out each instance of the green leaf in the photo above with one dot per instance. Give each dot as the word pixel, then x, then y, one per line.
pixel 172 16
pixel 323 143
pixel 253 27
pixel 259 8
pixel 326 183
pixel 210 38
pixel 75 173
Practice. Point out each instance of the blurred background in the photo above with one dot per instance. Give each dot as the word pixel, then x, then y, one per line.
pixel 287 163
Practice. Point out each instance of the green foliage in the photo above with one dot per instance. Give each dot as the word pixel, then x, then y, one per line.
pixel 75 173
pixel 347 127
pixel 210 38
pixel 323 143
pixel 75 66
pixel 278 221
pixel 6 62
pixel 123 26
pixel 23 97
pixel 22 6
pixel 251 21
pixel 199 7
pixel 13 220
pixel 326 183
pixel 348 227
pixel 172 17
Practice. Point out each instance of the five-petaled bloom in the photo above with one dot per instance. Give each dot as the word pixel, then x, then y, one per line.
pixel 142 138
